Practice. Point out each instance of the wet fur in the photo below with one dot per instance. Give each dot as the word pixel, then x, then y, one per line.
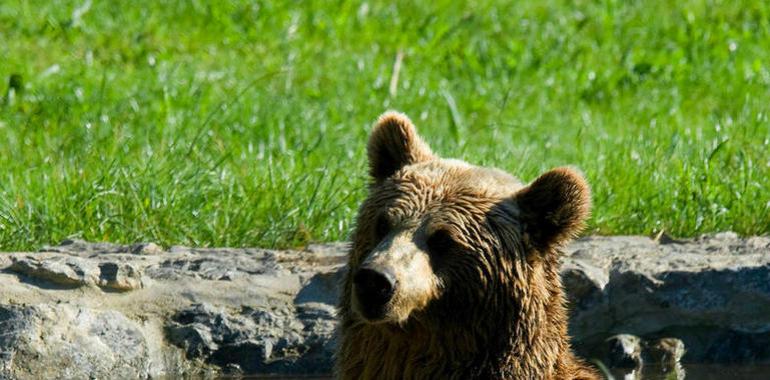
pixel 496 308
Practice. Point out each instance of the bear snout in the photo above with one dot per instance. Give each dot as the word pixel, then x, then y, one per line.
pixel 374 288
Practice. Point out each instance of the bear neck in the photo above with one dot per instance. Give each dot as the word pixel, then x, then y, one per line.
pixel 523 335
pixel 536 345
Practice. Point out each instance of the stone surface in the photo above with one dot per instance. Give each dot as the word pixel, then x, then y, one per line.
pixel 99 310
pixel 712 292
pixel 67 341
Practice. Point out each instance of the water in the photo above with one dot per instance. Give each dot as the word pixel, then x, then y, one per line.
pixel 690 372
pixel 698 372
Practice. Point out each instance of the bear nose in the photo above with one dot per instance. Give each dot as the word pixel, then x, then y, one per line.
pixel 374 287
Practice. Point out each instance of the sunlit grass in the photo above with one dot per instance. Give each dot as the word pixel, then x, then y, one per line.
pixel 243 123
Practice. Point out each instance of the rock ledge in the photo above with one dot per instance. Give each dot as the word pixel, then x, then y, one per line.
pixel 90 310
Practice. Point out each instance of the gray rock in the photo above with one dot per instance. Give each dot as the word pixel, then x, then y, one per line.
pixel 66 341
pixel 119 277
pixel 322 287
pixel 585 285
pixel 146 249
pixel 13 323
pixel 70 272
pixel 80 310
pixel 62 271
pixel 256 341
pixel 710 292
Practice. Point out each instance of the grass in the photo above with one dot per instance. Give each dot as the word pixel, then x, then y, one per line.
pixel 242 123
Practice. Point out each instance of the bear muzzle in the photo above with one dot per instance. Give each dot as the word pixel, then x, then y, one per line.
pixel 374 288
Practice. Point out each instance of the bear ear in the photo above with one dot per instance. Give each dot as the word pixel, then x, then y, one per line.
pixel 554 207
pixel 393 144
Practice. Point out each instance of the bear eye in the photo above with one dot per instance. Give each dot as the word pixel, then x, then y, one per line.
pixel 441 242
pixel 382 227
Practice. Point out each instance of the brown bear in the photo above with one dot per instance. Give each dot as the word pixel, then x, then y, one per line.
pixel 454 268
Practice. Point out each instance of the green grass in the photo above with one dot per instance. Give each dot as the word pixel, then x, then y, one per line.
pixel 242 123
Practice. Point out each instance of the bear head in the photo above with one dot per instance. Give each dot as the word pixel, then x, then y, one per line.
pixel 441 242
